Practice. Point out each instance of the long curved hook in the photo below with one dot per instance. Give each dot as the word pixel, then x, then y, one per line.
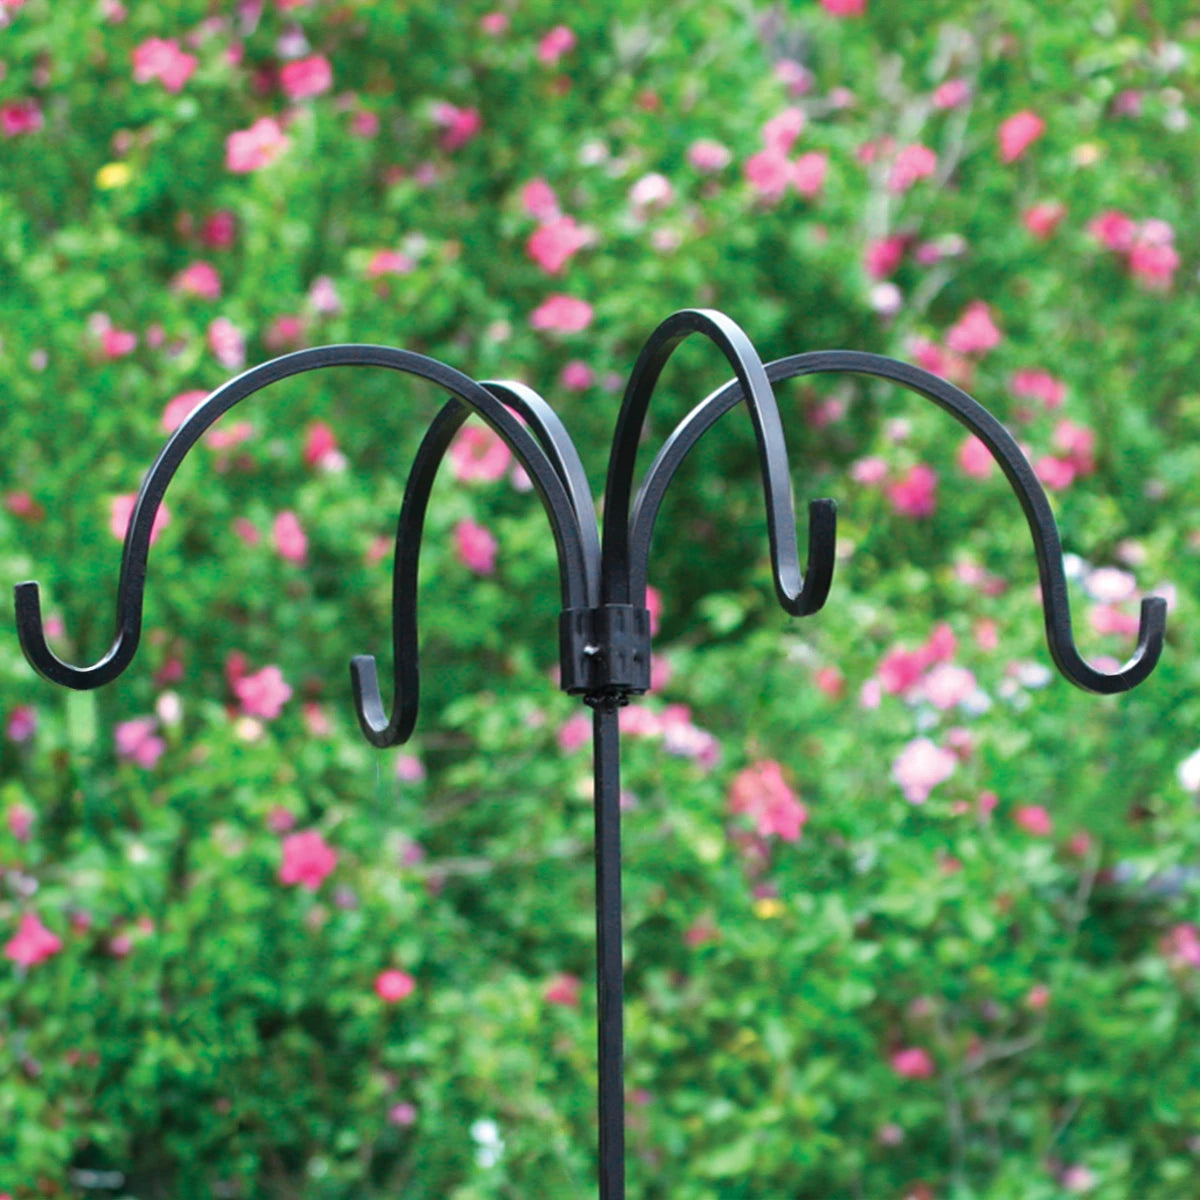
pixel 563 457
pixel 573 565
pixel 1020 474
pixel 625 549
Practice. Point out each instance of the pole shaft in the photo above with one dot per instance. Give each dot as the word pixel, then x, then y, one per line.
pixel 606 748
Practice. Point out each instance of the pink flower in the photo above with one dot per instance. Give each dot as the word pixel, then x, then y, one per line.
pixel 476 547
pixel 262 694
pixel 393 985
pixel 404 1114
pixel 254 148
pixel 1078 444
pixel 33 943
pixel 286 332
pixel 228 343
pixel 553 244
pixel 22 724
pixel 564 989
pixel 1018 133
pixel 199 279
pixel 122 513
pixel 162 59
pixel 1043 219
pixel 769 173
pixel 974 332
pixel 912 163
pixel 915 493
pixel 1038 385
pixel 1034 819
pixel 1108 619
pixel 952 93
pixel 1114 230
pixel 306 77
pixel 409 769
pixel 321 447
pixel 539 200
pixel 1055 473
pixel 870 471
pixel 920 767
pixel 651 191
pixel 574 733
pixel 975 458
pixel 559 41
pixel 761 792
pixel 708 155
pixel 220 230
pixel 913 1063
pixel 808 173
pixel 19 819
pixel 1153 264
pixel 290 539
pixel 389 262
pixel 577 376
pixel 479 453
pixel 1182 945
pixel 845 8
pixel 179 408
pixel 280 819
pixel 947 685
pixel 116 343
pixel 307 860
pixel 562 314
pixel 136 741
pixel 459 125
pixel 494 23
pixel 654 606
pixel 884 256
pixel 20 117
pixel 781 131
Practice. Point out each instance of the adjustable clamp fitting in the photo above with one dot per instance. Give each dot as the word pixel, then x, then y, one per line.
pixel 604 652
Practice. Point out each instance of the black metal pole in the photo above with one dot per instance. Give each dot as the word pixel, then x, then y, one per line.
pixel 606 751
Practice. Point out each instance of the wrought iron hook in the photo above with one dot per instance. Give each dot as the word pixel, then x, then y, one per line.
pixel 627 546
pixel 575 571
pixel 563 457
pixel 1014 464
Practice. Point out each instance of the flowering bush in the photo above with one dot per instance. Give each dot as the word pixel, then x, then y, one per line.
pixel 905 914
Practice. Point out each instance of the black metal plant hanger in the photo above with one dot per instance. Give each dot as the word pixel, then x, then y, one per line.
pixel 604 629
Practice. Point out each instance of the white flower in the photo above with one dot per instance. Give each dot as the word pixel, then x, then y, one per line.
pixel 1189 773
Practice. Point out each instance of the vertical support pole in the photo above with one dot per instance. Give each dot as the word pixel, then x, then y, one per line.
pixel 610 986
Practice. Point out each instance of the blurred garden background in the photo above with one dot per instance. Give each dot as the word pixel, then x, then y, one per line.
pixel 907 915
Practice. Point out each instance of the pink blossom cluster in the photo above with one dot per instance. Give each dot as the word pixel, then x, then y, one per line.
pixel 475 547
pixel 673 724
pixel 19 117
pixel 1147 247
pixel 1075 456
pixel 771 172
pixel 479 454
pixel 137 741
pixel 1018 133
pixel 308 860
pixel 33 943
pixel 911 493
pixel 458 125
pixel 304 78
pixel 761 793
pixel 162 59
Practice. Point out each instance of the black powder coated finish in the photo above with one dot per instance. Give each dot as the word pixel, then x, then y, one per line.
pixel 604 629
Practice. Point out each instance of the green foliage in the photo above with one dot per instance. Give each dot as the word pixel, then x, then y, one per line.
pixel 986 987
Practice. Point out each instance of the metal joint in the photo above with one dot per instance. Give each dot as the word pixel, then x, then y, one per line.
pixel 604 652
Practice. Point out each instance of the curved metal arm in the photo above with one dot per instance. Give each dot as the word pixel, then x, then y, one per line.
pixel 573 564
pixel 563 457
pixel 627 547
pixel 1029 491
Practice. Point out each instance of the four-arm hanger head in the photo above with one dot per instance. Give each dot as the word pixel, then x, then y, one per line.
pixel 604 629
